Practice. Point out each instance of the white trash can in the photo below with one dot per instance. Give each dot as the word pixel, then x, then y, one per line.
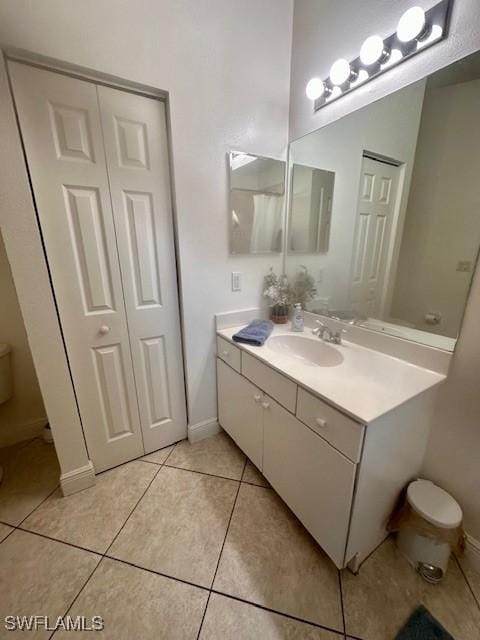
pixel 441 511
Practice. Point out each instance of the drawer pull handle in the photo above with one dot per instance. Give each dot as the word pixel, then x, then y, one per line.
pixel 265 405
pixel 257 398
pixel 104 329
pixel 321 422
pixel 225 353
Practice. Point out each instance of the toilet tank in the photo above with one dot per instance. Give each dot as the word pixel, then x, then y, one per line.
pixel 6 387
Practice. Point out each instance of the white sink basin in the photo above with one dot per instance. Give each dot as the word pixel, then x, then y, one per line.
pixel 311 351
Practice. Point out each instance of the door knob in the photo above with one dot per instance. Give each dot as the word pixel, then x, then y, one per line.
pixel 104 329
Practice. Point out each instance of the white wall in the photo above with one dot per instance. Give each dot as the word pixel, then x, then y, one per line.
pixel 24 414
pixel 226 67
pixel 388 127
pixel 442 226
pixel 324 31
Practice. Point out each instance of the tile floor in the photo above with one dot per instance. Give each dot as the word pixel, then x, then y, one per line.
pixel 191 542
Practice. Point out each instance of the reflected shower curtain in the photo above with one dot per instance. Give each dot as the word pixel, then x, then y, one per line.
pixel 267 224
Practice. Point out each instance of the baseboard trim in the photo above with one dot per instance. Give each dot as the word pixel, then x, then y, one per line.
pixel 77 479
pixel 472 551
pixel 203 429
pixel 13 433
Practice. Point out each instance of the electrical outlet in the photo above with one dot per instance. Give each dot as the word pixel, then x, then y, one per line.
pixel 236 281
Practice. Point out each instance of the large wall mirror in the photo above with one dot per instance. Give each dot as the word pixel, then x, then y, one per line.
pixel 397 250
pixel 257 198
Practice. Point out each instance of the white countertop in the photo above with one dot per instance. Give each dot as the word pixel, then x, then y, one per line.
pixel 366 385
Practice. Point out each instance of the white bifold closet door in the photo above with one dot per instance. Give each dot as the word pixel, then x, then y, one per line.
pixel 98 163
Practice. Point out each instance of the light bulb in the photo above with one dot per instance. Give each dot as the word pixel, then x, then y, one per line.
pixel 340 72
pixel 411 25
pixel 372 50
pixel 315 89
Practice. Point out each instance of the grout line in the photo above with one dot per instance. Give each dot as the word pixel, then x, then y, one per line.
pixel 173 449
pixel 155 572
pixel 133 509
pixel 254 484
pixel 68 544
pixel 8 534
pixel 228 527
pixel 16 526
pixel 139 459
pixel 38 505
pixel 221 550
pixel 157 464
pixel 203 473
pixel 280 613
pixel 466 580
pixel 78 594
pixel 341 601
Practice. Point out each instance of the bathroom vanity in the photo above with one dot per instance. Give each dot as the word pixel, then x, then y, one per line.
pixel 337 430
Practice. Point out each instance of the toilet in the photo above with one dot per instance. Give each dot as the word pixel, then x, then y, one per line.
pixel 6 386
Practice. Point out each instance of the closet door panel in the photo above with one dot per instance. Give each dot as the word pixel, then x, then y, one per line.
pixel 136 146
pixel 62 134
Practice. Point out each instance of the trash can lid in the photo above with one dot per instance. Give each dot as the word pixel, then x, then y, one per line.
pixel 434 504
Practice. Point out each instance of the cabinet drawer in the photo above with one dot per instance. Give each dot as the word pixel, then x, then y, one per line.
pixel 229 353
pixel 273 383
pixel 343 433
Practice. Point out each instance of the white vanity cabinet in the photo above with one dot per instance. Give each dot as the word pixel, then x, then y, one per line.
pixel 340 477
pixel 314 479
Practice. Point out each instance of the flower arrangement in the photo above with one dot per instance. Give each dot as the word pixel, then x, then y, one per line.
pixel 277 290
pixel 282 295
pixel 303 289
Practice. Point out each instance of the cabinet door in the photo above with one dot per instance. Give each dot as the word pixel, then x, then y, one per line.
pixel 240 411
pixel 314 479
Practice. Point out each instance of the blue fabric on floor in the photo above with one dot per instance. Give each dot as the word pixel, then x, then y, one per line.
pixel 422 626
pixel 255 333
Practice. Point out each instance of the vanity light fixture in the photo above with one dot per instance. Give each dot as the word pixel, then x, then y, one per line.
pixel 340 72
pixel 373 51
pixel 315 88
pixel 416 30
pixel 412 25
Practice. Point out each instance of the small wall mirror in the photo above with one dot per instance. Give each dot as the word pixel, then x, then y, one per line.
pixel 310 209
pixel 257 197
pixel 397 251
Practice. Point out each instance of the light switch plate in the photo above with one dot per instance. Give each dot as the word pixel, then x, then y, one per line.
pixel 236 281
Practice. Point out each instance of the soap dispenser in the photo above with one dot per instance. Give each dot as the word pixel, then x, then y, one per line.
pixel 298 322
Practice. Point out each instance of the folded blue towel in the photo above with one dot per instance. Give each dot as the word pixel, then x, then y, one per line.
pixel 255 333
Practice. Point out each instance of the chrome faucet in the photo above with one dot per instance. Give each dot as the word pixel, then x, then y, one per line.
pixel 324 332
